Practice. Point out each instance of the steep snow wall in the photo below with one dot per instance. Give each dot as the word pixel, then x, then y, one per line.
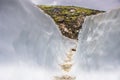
pixel 99 42
pixel 98 51
pixel 28 36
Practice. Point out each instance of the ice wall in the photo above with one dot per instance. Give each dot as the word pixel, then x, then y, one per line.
pixel 28 36
pixel 99 42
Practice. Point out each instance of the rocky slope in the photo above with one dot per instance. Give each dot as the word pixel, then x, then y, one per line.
pixel 68 18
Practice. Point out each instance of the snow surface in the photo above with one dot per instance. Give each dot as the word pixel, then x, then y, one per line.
pixel 31 46
pixel 98 51
pixel 28 35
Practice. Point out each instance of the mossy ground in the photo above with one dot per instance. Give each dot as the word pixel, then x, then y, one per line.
pixel 68 18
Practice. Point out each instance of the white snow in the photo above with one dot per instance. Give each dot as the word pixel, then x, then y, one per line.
pixel 29 36
pixel 98 51
pixel 31 46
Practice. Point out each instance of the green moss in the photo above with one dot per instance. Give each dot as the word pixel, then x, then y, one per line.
pixel 69 16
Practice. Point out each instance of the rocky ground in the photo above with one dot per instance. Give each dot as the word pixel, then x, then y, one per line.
pixel 69 18
pixel 66 66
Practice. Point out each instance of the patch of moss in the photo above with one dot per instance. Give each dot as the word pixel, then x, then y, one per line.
pixel 68 18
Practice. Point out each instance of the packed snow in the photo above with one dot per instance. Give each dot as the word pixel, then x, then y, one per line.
pixel 98 51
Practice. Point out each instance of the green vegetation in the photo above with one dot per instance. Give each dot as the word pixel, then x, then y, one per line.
pixel 68 18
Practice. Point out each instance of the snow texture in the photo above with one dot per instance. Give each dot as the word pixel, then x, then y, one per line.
pixel 99 42
pixel 28 35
